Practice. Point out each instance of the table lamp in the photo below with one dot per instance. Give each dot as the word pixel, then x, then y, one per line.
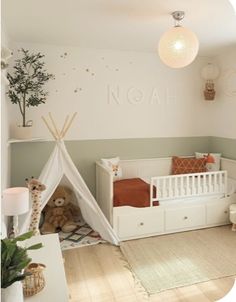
pixel 15 201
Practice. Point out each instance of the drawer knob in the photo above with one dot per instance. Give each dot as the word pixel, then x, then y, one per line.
pixel 141 223
pixel 226 212
pixel 185 217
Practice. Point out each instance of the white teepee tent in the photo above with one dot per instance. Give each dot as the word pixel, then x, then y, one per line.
pixel 59 165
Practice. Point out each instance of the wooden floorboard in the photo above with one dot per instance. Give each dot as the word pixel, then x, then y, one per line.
pixel 99 273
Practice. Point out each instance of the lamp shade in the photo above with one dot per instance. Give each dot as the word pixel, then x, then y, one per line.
pixel 178 47
pixel 15 201
pixel 210 72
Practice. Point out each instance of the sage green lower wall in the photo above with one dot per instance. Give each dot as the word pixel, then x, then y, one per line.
pixel 225 146
pixel 28 159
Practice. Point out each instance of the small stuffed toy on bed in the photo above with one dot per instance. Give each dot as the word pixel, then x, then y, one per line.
pixel 113 164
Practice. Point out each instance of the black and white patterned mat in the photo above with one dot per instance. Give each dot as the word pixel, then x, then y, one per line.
pixel 83 235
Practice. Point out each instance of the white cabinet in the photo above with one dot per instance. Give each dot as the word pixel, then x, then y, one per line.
pixel 50 255
pixel 217 213
pixel 140 223
pixel 131 223
pixel 188 217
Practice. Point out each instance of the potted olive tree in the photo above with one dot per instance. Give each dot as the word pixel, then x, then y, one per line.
pixel 26 86
pixel 14 259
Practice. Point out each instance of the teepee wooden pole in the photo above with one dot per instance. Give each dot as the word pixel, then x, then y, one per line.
pixel 64 126
pixel 49 128
pixel 69 124
pixel 54 125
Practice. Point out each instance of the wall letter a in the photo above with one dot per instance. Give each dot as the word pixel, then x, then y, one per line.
pixel 154 98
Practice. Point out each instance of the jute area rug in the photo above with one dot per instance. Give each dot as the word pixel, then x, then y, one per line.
pixel 175 260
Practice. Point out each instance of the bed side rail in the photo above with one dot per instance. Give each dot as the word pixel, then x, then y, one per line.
pixel 104 190
pixel 187 185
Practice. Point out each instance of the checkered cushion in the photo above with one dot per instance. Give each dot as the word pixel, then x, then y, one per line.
pixel 185 165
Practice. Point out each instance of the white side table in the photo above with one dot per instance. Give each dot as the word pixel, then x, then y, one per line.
pixel 50 255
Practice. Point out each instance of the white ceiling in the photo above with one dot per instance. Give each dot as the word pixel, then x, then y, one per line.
pixel 118 24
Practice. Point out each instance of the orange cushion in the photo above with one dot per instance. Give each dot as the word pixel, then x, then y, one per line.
pixel 185 165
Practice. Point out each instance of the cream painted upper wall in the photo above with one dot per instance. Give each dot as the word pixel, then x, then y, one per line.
pixel 119 94
pixel 222 111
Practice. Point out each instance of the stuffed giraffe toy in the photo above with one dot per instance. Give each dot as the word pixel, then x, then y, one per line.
pixel 35 189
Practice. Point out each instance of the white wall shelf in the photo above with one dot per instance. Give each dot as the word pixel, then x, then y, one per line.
pixel 33 139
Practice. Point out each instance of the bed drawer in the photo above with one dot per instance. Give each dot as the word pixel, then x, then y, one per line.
pixel 217 213
pixel 185 217
pixel 138 224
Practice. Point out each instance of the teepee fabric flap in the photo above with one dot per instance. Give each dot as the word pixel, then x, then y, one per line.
pixel 58 165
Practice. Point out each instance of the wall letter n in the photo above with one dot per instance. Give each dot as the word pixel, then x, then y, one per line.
pixel 113 95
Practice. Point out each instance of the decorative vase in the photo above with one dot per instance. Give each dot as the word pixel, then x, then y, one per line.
pixel 20 132
pixel 12 293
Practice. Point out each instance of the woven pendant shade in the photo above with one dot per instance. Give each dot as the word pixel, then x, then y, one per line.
pixel 179 46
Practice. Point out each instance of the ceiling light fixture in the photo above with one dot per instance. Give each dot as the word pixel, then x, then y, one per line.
pixel 178 46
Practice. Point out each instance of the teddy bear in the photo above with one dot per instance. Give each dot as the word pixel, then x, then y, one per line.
pixel 60 213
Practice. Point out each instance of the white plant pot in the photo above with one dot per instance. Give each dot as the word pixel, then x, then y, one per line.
pixel 20 132
pixel 13 293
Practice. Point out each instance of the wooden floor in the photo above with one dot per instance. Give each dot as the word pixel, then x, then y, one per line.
pixel 99 273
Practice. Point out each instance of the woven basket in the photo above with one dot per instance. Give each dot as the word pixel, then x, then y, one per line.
pixel 209 92
pixel 35 282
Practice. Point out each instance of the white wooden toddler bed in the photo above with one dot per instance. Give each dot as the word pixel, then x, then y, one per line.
pixel 186 201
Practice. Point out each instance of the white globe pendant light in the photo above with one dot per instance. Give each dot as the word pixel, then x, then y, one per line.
pixel 178 47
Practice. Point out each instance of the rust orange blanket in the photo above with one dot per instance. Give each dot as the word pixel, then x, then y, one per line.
pixel 132 192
